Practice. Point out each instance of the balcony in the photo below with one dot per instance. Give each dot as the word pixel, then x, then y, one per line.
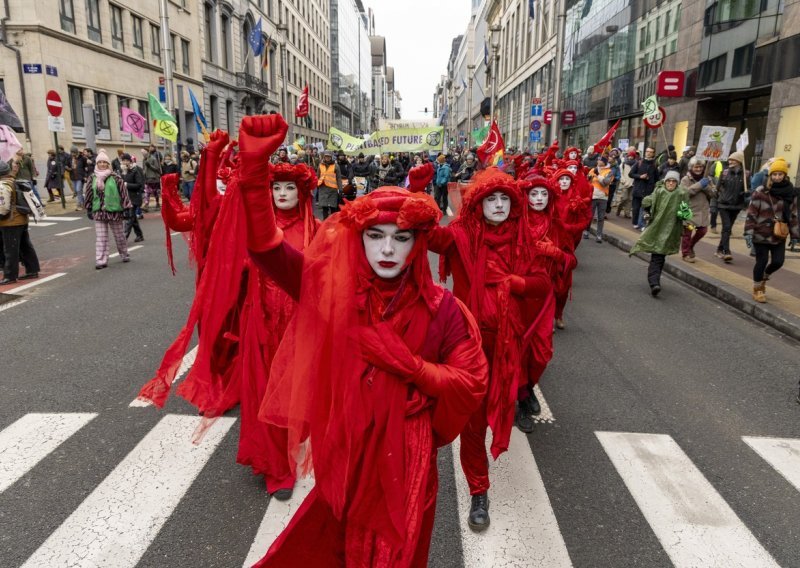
pixel 253 84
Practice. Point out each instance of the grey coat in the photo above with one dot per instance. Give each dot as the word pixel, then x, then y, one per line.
pixel 699 200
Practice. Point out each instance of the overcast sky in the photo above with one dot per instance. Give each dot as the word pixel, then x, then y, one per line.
pixel 419 35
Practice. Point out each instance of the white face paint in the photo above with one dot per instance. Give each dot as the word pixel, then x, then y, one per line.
pixel 496 207
pixel 564 182
pixel 387 248
pixel 220 187
pixel 538 198
pixel 573 169
pixel 572 155
pixel 285 195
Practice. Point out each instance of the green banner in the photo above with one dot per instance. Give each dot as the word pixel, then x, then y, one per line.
pixel 397 140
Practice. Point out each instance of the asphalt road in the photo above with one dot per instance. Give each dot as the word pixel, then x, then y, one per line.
pixel 678 371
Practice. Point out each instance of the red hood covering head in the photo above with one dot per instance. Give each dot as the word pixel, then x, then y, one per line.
pixel 485 183
pixel 306 180
pixel 569 151
pixel 555 177
pixel 539 181
pixel 300 174
pixel 320 396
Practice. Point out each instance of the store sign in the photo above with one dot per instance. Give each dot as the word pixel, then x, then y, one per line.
pixel 548 117
pixel 568 117
pixel 671 84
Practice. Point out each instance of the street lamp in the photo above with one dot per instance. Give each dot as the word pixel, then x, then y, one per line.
pixel 283 34
pixel 495 29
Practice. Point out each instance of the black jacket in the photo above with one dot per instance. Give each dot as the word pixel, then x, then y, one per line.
pixel 730 189
pixel 361 170
pixel 643 187
pixel 134 182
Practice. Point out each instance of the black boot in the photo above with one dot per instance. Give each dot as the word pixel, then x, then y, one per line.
pixel 478 519
pixel 283 494
pixel 523 418
pixel 533 403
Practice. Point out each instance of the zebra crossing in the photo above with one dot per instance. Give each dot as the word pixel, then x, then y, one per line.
pixel 54 220
pixel 117 521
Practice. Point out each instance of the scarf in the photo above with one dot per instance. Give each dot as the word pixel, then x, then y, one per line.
pixel 784 190
pixel 101 176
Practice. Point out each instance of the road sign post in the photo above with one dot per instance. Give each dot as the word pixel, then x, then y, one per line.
pixel 55 107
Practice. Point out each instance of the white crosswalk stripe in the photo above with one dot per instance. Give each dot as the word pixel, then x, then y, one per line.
pixel 694 524
pixel 783 454
pixel 30 439
pixel 115 524
pixel 186 364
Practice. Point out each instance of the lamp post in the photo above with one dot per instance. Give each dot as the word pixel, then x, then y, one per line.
pixel 561 30
pixel 470 73
pixel 495 29
pixel 166 52
pixel 283 33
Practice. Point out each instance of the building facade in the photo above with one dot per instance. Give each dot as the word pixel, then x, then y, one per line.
pixel 380 89
pixel 351 67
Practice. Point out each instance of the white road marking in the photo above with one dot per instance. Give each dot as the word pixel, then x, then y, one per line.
pixel 12 303
pixel 175 233
pixel 115 524
pixel 523 529
pixel 28 440
pixel 275 520
pixel 63 218
pixel 186 364
pixel 41 224
pixel 19 289
pixel 116 254
pixel 694 524
pixel 546 415
pixel 783 454
pixel 72 231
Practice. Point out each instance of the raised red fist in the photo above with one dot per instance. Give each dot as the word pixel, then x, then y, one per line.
pixel 262 134
pixel 219 139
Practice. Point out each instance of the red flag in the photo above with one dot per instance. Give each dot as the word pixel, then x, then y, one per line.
pixel 492 145
pixel 603 143
pixel 302 104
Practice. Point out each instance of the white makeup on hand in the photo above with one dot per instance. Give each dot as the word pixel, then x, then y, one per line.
pixel 538 198
pixel 284 193
pixel 387 247
pixel 496 207
pixel 221 187
pixel 564 182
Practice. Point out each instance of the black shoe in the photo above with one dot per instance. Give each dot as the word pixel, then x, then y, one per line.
pixel 100 266
pixel 283 494
pixel 523 420
pixel 29 276
pixel 533 403
pixel 138 239
pixel 655 290
pixel 5 281
pixel 478 519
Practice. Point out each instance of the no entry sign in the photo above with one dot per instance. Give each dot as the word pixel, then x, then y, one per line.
pixel 54 105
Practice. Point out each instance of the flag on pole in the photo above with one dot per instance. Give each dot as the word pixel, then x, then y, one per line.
pixel 743 141
pixel 9 145
pixel 299 144
pixel 133 122
pixel 7 114
pixel 302 104
pixel 256 39
pixel 443 118
pixel 485 54
pixel 650 106
pixel 531 8
pixel 157 110
pixel 265 55
pixel 199 118
pixel 163 122
pixel 493 145
pixel 603 143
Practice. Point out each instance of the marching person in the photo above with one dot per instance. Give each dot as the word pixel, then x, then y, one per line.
pixel 54 182
pixel 601 177
pixel 443 174
pixel 329 179
pixel 644 174
pixel 15 243
pixel 731 194
pixel 151 166
pixel 701 190
pixel 188 173
pixel 134 182
pixel 771 219
pixel 106 204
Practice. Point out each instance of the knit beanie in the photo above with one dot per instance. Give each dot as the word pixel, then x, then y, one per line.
pixel 102 157
pixel 779 165
pixel 672 175
pixel 738 156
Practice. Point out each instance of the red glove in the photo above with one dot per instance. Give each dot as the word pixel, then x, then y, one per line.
pixel 262 134
pixel 549 250
pixel 570 262
pixel 518 284
pixel 419 177
pixel 175 214
pixel 219 139
pixel 382 347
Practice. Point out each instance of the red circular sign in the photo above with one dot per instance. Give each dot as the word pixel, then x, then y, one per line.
pixel 656 121
pixel 54 105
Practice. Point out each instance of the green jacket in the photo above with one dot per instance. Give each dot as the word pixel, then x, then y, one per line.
pixel 663 234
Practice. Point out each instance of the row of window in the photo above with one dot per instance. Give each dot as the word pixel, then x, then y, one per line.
pixel 102 107
pixel 118 31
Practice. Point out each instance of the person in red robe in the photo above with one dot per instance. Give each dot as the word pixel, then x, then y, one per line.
pixel 378 368
pixel 488 251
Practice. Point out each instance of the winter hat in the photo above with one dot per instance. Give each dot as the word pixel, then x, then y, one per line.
pixel 779 165
pixel 5 168
pixel 73 149
pixel 125 156
pixel 738 156
pixel 695 160
pixel 102 157
pixel 672 175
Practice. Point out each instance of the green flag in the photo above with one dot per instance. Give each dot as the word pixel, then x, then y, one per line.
pixel 480 134
pixel 166 129
pixel 157 111
pixel 650 106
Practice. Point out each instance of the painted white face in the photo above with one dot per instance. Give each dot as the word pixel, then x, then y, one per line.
pixel 573 168
pixel 573 155
pixel 496 207
pixel 387 248
pixel 564 182
pixel 220 187
pixel 285 195
pixel 538 198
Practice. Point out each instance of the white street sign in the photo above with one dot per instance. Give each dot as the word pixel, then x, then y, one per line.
pixel 56 124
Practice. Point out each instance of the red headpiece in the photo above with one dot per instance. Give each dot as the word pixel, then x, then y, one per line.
pixel 485 183
pixel 408 210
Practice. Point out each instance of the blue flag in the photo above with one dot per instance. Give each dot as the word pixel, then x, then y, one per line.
pixel 256 39
pixel 199 119
pixel 531 8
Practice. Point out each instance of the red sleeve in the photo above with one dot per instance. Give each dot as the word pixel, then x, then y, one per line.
pixel 284 265
pixel 440 239
pixel 532 286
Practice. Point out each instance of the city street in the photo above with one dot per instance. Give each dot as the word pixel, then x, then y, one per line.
pixel 664 420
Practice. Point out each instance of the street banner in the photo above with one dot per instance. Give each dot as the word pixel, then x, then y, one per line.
pixel 9 145
pixel 493 145
pixel 302 104
pixel 133 122
pixel 743 141
pixel 605 141
pixel 397 140
pixel 7 115
pixel 715 142
pixel 199 117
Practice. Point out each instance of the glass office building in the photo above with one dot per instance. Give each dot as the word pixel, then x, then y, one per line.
pixel 351 67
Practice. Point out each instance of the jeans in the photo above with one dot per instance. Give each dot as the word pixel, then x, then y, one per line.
pixel 763 252
pixel 188 188
pixel 17 247
pixel 691 238
pixel 728 217
pixel 636 208
pixel 599 210
pixel 655 268
pixel 624 206
pixel 440 195
pixel 132 224
pixel 77 188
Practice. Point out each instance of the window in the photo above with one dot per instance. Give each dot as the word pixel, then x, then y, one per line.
pixel 230 116
pixel 93 20
pixel 116 28
pixel 185 55
pixel 743 60
pixel 67 16
pixel 173 53
pixel 713 70
pixel 208 20
pixel 144 110
pixel 126 103
pixel 101 107
pixel 138 40
pixel 155 43
pixel 225 38
pixel 213 103
pixel 76 105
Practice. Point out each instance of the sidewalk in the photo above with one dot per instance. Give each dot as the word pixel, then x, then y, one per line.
pixel 730 283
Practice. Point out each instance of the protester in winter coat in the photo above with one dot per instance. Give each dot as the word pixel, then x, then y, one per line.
pixel 361 171
pixel 731 194
pixel 15 241
pixel 644 175
pixel 330 185
pixel 151 166
pixel 683 163
pixel 625 185
pixel 388 172
pixel 134 182
pixel 662 236
pixel 467 169
pixel 701 190
pixel 106 202
pixel 78 175
pixel 54 182
pixel 442 178
pixel 27 170
pixel 670 165
pixel 188 173
pixel 771 219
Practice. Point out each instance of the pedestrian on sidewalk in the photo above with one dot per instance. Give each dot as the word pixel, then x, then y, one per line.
pixel 27 170
pixel 78 175
pixel 54 182
pixel 625 184
pixel 701 190
pixel 151 166
pixel 15 241
pixel 771 218
pixel 601 177
pixel 133 177
pixel 644 174
pixel 731 194
pixel 106 203
pixel 189 168
pixel 662 237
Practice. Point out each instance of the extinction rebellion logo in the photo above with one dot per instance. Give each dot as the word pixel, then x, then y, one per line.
pixel 336 141
pixel 434 138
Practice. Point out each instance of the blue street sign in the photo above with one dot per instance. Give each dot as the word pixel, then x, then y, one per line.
pixel 162 94
pixel 33 68
pixel 536 110
pixel 51 70
pixel 536 125
pixel 536 136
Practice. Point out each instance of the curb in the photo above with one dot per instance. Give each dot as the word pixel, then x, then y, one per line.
pixel 782 321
